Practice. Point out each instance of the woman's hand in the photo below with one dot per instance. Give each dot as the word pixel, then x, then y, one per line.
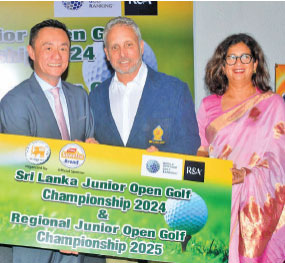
pixel 238 175
pixel 203 152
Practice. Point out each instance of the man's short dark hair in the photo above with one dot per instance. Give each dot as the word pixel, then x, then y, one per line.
pixel 46 23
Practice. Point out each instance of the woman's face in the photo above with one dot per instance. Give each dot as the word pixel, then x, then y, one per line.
pixel 240 65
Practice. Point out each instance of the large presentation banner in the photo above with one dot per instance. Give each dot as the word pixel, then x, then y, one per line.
pixel 114 201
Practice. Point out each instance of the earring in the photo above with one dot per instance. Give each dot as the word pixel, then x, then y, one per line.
pixel 254 71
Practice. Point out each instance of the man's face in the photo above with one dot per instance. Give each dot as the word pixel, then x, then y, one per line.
pixel 50 53
pixel 124 51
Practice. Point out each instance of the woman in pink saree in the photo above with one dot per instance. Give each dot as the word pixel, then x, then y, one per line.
pixel 244 121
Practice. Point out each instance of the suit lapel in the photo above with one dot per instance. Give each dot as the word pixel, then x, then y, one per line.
pixel 43 108
pixel 143 108
pixel 110 118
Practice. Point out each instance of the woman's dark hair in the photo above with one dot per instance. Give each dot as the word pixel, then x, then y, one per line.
pixel 215 78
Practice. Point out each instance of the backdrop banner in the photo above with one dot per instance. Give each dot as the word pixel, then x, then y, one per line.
pixel 114 201
pixel 280 80
pixel 166 27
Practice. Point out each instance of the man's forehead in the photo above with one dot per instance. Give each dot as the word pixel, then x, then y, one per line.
pixel 53 42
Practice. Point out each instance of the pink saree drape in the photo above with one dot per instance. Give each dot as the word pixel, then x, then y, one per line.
pixel 252 135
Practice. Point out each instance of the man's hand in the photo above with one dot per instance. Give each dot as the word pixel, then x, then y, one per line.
pixel 88 140
pixel 152 149
pixel 91 140
pixel 69 252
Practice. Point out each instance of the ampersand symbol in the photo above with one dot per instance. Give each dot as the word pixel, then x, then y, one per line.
pixel 103 214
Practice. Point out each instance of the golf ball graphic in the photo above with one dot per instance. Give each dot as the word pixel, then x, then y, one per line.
pixel 149 57
pixel 189 215
pixel 95 72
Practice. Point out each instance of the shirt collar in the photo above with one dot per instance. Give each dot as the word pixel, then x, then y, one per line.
pixel 46 86
pixel 138 79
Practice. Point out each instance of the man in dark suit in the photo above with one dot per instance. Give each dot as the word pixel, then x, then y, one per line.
pixel 46 106
pixel 139 107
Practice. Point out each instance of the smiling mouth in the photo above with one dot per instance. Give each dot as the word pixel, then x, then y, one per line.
pixel 239 70
pixel 54 65
pixel 124 61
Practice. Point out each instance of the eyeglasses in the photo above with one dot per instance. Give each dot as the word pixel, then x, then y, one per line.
pixel 244 59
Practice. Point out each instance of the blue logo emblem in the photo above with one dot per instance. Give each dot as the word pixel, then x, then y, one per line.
pixel 152 166
pixel 72 5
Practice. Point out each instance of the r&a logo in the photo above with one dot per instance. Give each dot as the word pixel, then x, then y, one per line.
pixel 194 171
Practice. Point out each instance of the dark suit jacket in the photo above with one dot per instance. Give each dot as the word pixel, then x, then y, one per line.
pixel 166 102
pixel 25 111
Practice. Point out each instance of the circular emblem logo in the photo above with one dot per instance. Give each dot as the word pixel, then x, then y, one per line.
pixel 37 152
pixel 72 5
pixel 72 155
pixel 152 166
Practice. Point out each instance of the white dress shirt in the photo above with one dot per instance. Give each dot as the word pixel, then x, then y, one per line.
pixel 46 87
pixel 124 101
